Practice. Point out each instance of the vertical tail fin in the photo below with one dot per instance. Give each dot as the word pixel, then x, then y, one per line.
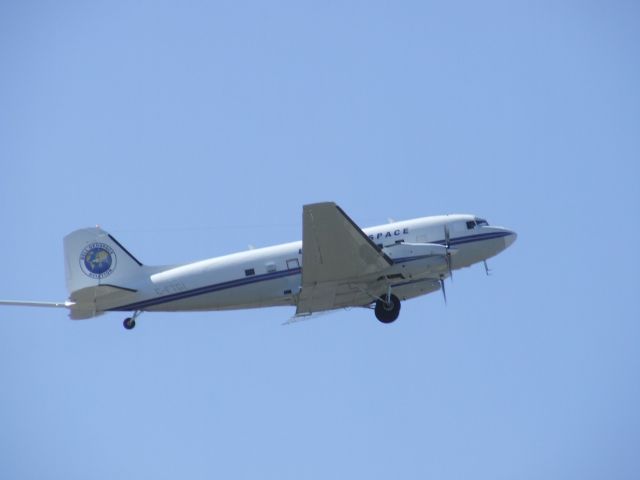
pixel 94 258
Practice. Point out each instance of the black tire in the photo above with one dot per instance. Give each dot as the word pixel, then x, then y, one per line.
pixel 388 312
pixel 129 323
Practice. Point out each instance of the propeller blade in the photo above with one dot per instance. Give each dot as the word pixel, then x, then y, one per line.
pixel 447 241
pixel 444 291
pixel 487 270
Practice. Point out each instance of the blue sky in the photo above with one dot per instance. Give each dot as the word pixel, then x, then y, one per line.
pixel 192 129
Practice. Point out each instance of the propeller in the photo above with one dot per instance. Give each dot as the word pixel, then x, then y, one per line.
pixel 444 292
pixel 447 244
pixel 487 270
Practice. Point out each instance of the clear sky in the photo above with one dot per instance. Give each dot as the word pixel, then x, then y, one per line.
pixel 193 129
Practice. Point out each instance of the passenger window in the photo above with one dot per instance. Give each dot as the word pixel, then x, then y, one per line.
pixel 249 271
pixel 470 225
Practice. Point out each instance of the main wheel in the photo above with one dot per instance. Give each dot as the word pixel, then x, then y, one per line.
pixel 388 312
pixel 129 323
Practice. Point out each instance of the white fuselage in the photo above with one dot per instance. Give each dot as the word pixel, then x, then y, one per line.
pixel 272 276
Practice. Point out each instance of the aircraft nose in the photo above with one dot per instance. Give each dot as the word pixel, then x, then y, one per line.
pixel 510 238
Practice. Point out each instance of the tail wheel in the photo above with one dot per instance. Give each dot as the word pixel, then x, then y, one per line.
pixel 388 312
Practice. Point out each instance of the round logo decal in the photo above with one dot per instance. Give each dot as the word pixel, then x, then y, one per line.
pixel 98 260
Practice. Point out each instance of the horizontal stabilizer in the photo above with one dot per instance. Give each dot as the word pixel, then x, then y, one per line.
pixel 92 301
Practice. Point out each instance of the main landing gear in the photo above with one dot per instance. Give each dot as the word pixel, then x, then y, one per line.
pixel 130 322
pixel 387 308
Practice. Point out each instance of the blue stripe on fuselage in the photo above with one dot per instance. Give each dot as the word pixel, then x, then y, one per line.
pixel 207 289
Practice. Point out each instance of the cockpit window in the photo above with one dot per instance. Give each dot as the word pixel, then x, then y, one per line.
pixel 478 222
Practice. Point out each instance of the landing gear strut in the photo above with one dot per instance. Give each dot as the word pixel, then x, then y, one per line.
pixel 130 322
pixel 387 308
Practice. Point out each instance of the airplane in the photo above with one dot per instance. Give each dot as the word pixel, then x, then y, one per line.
pixel 336 265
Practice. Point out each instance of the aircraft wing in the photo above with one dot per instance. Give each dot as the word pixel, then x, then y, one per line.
pixel 337 259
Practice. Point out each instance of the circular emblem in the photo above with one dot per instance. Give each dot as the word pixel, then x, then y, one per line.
pixel 97 260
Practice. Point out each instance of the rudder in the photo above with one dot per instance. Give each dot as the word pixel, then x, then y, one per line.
pixel 93 258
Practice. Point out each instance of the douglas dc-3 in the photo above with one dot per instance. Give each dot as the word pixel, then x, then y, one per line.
pixel 336 265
